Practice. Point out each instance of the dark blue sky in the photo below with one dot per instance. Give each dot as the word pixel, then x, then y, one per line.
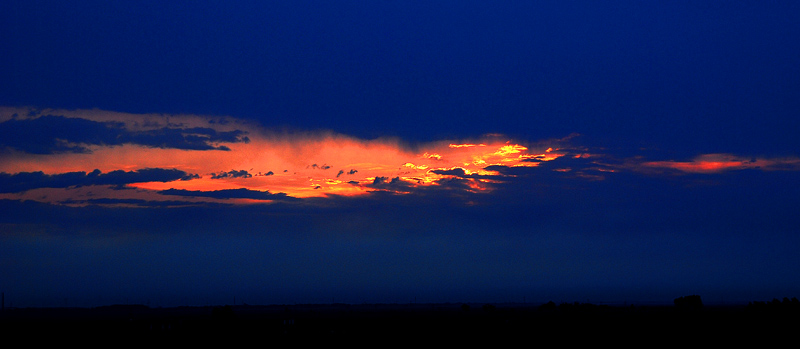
pixel 707 77
pixel 638 81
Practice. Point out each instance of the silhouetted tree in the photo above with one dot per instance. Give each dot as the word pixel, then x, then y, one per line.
pixel 549 306
pixel 692 302
pixel 775 305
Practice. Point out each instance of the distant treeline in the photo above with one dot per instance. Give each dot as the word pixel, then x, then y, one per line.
pixel 776 304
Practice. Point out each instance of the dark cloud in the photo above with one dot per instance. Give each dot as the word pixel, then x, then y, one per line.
pixel 322 167
pixel 51 134
pixel 458 172
pixel 537 158
pixel 241 193
pixel 341 172
pixel 221 121
pixel 231 174
pixel 131 202
pixel 190 177
pixel 197 138
pixel 24 181
pixel 395 184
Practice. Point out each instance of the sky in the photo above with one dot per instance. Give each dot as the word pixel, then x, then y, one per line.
pixel 209 152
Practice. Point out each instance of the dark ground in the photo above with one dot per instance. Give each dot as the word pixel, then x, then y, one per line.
pixel 550 323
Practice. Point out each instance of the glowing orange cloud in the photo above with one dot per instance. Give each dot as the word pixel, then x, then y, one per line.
pixel 272 165
pixel 300 165
pixel 716 163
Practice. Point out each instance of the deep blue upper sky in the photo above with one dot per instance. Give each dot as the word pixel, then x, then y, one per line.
pixel 669 80
pixel 698 77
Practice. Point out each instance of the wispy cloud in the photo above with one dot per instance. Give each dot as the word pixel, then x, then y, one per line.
pixel 53 134
pixel 240 193
pixel 161 156
pixel 24 181
pixel 718 163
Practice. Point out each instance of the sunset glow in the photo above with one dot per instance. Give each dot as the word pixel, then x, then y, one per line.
pixel 716 163
pixel 225 160
pixel 398 152
pixel 263 162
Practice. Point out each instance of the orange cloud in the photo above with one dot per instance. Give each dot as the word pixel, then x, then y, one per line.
pixel 300 165
pixel 271 165
pixel 716 163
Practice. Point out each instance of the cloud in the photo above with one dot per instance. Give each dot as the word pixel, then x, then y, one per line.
pixel 57 134
pixel 341 172
pixel 197 138
pixel 322 167
pixel 131 203
pixel 240 193
pixel 457 171
pixel 396 185
pixel 116 143
pixel 232 174
pixel 23 181
pixel 53 134
pixel 718 163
